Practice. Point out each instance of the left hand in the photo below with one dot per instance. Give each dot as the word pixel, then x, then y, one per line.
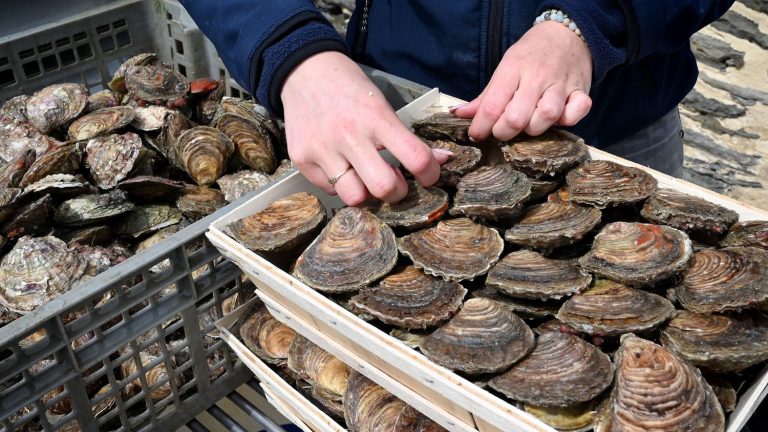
pixel 542 80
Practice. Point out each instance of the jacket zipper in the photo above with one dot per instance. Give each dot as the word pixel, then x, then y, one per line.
pixel 493 47
pixel 362 32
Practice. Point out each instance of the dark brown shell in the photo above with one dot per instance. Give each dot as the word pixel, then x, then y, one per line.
pixel 541 188
pixel 717 342
pixel 252 142
pixel 464 160
pixel 97 235
pixel 609 308
pixel 8 202
pixel 491 192
pixel 526 308
pixel 455 249
pixel 249 110
pixel 111 158
pixel 484 337
pixel 283 225
pixel 267 337
pixel 688 213
pixel 638 254
pixel 355 249
pixel 727 279
pixel 155 83
pixel 551 225
pixel 103 99
pixel 562 370
pixel 146 219
pixel 548 154
pixel 203 152
pixel 56 105
pixel 530 275
pixel 61 160
pixel 12 173
pixel 197 202
pixel 752 233
pixel 241 183
pixel 118 79
pixel 410 299
pixel 151 188
pixel 59 186
pixel 602 183
pixel 443 126
pixel 92 209
pixel 32 219
pixel 655 390
pixel 418 209
pixel 101 122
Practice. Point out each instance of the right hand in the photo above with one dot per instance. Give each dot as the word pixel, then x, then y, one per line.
pixel 336 118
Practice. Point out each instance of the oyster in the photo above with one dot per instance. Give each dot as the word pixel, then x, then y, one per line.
pixel 464 160
pixel 492 192
pixel 353 250
pixel 103 99
pixel 694 215
pixel 173 125
pixel 443 126
pixel 32 219
pixel 530 275
pixel 253 143
pixel 603 183
pixel 37 270
pixel 267 337
pixel 484 337
pixel 609 308
pixel 410 299
pixel 12 173
pixel 151 188
pixel 753 233
pixel 56 105
pixel 541 188
pixel 59 186
pixel 112 157
pixel 197 202
pixel 717 342
pixel 455 249
pixel 102 122
pixel 241 183
pixel 526 308
pixel 98 258
pixel 419 208
pixel 552 225
pixel 145 219
pixel 576 418
pixel 411 338
pixel 157 378
pixel 327 374
pixel 118 79
pixel 155 84
pixel 14 110
pixel 655 390
pixel 249 110
pixel 563 370
pixel 207 107
pixel 151 118
pixel 370 408
pixel 638 254
pixel 285 224
pixel 548 154
pixel 97 235
pixel 61 160
pixel 8 202
pixel 727 279
pixel 203 152
pixel 92 209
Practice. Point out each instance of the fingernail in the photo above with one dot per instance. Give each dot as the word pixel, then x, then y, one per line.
pixel 455 107
pixel 472 139
pixel 443 152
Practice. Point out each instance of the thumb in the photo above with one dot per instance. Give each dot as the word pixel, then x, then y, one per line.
pixel 466 110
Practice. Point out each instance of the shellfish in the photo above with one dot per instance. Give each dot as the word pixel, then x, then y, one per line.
pixel 443 126
pixel 420 207
pixel 267 337
pixel 552 225
pixel 464 160
pixel 602 183
pixel 203 152
pixel 693 215
pixel 253 143
pixel 236 185
pixel 92 209
pixel 530 275
pixel 548 154
pixel 491 192
pixel 111 158
pixel 753 233
pixel 56 105
pixel 101 122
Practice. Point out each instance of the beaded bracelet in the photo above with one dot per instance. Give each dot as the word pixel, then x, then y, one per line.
pixel 561 17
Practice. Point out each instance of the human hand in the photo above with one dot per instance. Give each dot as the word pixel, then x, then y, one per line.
pixel 542 80
pixel 336 118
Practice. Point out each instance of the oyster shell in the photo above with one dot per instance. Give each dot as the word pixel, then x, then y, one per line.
pixel 323 371
pixel 102 122
pixel 492 192
pixel 548 154
pixel 12 173
pixel 151 188
pixel 638 254
pixel 92 209
pixel 14 110
pixel 370 408
pixel 145 219
pixel 151 118
pixel 410 299
pixel 157 378
pixel 577 418
pixel 32 219
pixel 464 160
pixel 603 183
pixel 717 342
pixel 61 160
pixel 97 235
pixel 112 157
pixel 443 126
pixel 241 183
pixel 530 275
pixel 609 308
pixel 283 225
pixel 353 250
pixel 249 110
pixel 118 79
pixel 37 270
pixel 419 208
pixel 206 108
pixel 56 105
pixel 694 215
pixel 8 202
pixel 59 186
pixel 155 84
pixel 655 390
pixel 203 152
pixel 103 99
pixel 197 202
pixel 727 279
pixel 484 337
pixel 541 188
pixel 552 225
pixel 561 371
pixel 752 233
pixel 455 249
pixel 252 142
pixel 411 338
pixel 526 308
pixel 267 337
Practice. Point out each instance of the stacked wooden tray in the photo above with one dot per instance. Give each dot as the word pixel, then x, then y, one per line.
pixel 452 401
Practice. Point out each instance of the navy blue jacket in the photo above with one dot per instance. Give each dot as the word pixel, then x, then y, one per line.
pixel 643 65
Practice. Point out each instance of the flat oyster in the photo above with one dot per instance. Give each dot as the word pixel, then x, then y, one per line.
pixel 56 105
pixel 252 142
pixel 602 183
pixel 410 299
pixel 37 270
pixel 726 279
pixel 151 188
pixel 92 209
pixel 491 192
pixel 355 249
pixel 196 202
pixel 241 183
pixel 696 216
pixel 327 374
pixel 12 172
pixel 118 79
pixel 609 308
pixel 563 370
pixel 103 99
pixel 552 225
pixel 59 186
pixel 418 209
pixel 455 249
pixel 752 233
pixel 526 308
pixel 443 126
pixel 548 154
pixel 95 235
pixel 530 275
pixel 33 218
pixel 155 84
pixel 61 160
pixel 249 110
pixel 8 202
pixel 464 160
pixel 267 337
pixel 203 152
pixel 146 219
pixel 655 390
pixel 283 225
pixel 151 118
pixel 541 188
pixel 484 337
pixel 112 157
pixel 102 122
pixel 638 254
pixel 577 418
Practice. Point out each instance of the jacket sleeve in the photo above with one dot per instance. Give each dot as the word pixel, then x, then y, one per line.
pixel 261 41
pixel 625 31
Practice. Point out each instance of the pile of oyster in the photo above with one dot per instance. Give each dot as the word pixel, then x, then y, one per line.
pixel 339 391
pixel 576 289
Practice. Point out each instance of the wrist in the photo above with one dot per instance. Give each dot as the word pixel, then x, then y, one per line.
pixel 317 66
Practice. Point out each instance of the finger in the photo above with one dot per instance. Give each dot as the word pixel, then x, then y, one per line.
pixel 548 110
pixel 413 154
pixel 377 175
pixel 317 177
pixel 576 108
pixel 351 189
pixel 442 155
pixel 497 95
pixel 467 109
pixel 518 113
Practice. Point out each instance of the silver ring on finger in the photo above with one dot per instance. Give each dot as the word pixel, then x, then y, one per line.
pixel 333 180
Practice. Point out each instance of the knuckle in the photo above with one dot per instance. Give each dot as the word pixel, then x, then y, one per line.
pixel 383 187
pixel 355 197
pixel 492 108
pixel 420 161
pixel 549 112
pixel 515 120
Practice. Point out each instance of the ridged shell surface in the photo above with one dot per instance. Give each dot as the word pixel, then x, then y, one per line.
pixel 111 158
pixel 56 105
pixel 155 83
pixel 688 213
pixel 267 337
pixel 530 275
pixel 198 201
pixel 241 183
pixel 101 122
pixel 61 160
pixel 752 233
pixel 552 224
pixel 420 207
pixel 464 160
pixel 548 154
pixel 145 219
pixel 491 192
pixel 253 143
pixel 91 209
pixel 443 126
pixel 603 183
pixel 203 152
